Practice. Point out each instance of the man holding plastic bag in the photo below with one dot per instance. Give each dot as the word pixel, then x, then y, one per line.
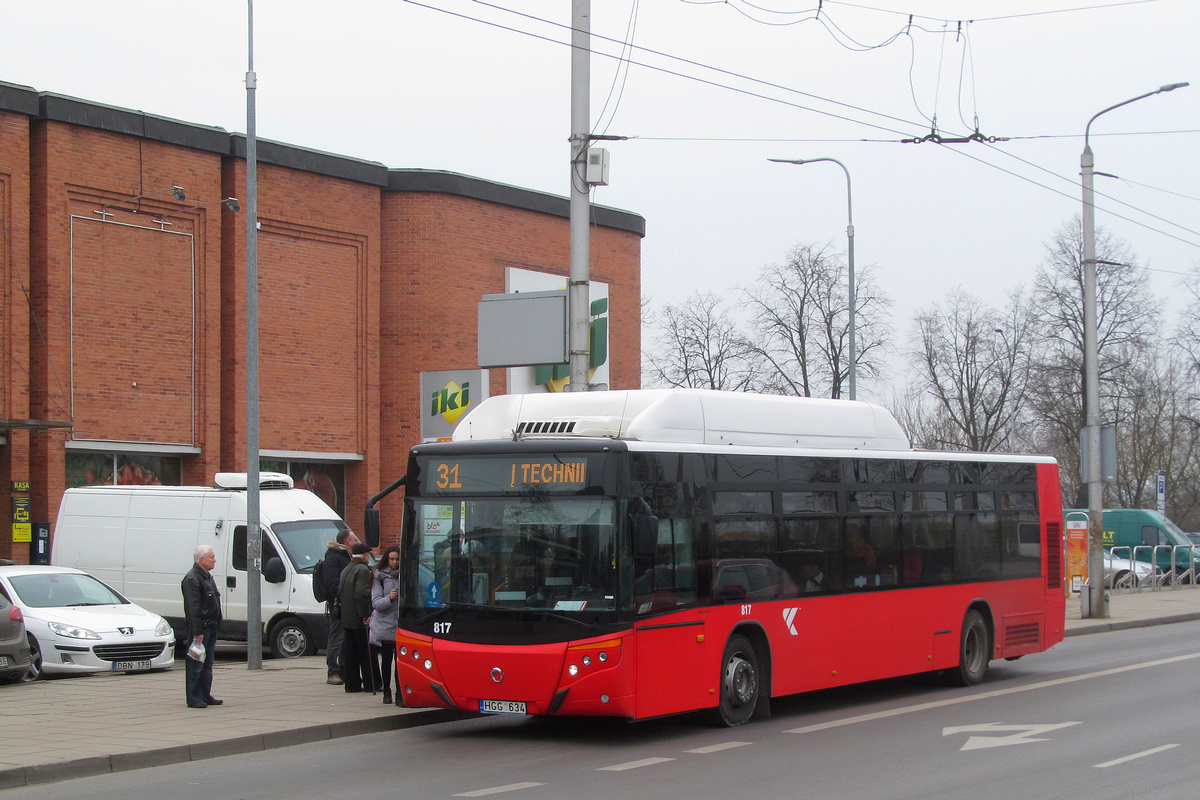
pixel 202 610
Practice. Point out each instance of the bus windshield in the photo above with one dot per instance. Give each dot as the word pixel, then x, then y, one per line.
pixel 549 553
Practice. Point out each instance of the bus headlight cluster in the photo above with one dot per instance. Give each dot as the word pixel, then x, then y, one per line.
pixel 573 669
pixel 591 652
pixel 405 651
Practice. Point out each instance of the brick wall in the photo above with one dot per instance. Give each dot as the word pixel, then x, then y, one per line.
pixel 141 297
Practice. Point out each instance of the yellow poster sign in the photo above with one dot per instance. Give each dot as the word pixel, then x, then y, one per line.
pixel 22 532
pixel 1077 552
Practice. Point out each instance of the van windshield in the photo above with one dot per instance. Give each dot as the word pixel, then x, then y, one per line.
pixel 305 542
pixel 1175 533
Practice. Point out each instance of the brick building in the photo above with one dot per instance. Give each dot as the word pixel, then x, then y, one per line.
pixel 123 303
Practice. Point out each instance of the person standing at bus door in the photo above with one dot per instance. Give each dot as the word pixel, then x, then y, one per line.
pixel 202 612
pixel 354 592
pixel 384 615
pixel 337 558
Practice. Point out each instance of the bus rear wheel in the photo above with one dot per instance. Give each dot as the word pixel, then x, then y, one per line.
pixel 974 652
pixel 739 683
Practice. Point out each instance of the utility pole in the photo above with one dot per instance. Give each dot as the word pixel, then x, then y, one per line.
pixel 1097 605
pixel 579 292
pixel 253 529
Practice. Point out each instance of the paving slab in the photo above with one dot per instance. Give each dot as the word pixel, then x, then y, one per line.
pixel 114 723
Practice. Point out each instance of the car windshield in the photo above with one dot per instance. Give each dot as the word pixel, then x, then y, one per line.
pixel 63 589
pixel 305 542
pixel 550 554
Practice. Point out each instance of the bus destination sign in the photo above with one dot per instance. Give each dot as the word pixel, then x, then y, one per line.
pixel 505 474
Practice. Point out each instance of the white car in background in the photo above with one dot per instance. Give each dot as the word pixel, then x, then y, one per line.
pixel 76 623
pixel 1124 573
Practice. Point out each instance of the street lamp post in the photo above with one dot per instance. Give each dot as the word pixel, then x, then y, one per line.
pixel 853 360
pixel 1097 605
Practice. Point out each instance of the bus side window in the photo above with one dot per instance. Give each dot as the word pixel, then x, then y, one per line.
pixel 670 582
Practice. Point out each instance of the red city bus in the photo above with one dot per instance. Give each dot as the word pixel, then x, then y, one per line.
pixel 643 553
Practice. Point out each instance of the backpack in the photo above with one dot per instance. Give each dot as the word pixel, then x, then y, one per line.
pixel 318 581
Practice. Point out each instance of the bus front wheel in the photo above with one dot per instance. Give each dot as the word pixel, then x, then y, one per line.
pixel 973 652
pixel 739 683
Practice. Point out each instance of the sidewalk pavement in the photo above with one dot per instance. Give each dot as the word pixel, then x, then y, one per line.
pixel 75 727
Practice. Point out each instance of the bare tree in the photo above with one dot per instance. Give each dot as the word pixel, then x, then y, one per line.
pixel 1127 318
pixel 1189 331
pixel 928 427
pixel 973 361
pixel 699 346
pixel 801 320
pixel 1152 432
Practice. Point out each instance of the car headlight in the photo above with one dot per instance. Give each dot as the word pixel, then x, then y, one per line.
pixel 163 628
pixel 72 631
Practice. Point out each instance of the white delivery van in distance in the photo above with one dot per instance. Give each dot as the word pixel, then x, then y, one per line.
pixel 140 541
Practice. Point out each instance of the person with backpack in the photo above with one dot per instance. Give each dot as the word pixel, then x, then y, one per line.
pixel 325 587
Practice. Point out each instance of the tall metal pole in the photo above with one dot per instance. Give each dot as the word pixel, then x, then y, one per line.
pixel 253 530
pixel 1097 605
pixel 578 296
pixel 853 359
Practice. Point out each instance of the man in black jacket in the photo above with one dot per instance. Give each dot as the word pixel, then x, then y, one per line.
pixel 337 558
pixel 202 610
pixel 355 593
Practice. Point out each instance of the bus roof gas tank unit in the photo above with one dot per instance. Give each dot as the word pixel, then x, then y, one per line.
pixel 687 416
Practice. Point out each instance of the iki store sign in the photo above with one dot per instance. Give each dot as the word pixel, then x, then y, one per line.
pixel 447 395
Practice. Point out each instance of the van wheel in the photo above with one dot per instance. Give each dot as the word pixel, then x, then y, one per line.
pixel 973 652
pixel 290 639
pixel 739 684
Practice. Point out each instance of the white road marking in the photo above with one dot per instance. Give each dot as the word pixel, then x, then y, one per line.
pixel 643 762
pixel 1018 734
pixel 896 712
pixel 512 787
pixel 716 748
pixel 1116 761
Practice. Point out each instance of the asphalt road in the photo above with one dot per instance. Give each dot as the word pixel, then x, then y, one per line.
pixel 1110 715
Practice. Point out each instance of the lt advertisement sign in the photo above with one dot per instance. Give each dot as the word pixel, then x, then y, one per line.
pixel 554 377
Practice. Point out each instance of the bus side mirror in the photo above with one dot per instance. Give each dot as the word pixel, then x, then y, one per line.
pixel 273 570
pixel 371 526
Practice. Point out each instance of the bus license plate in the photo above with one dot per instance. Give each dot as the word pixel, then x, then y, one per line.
pixel 501 707
pixel 126 666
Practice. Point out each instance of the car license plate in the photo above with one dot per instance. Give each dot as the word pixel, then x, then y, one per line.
pixel 125 666
pixel 3 661
pixel 501 707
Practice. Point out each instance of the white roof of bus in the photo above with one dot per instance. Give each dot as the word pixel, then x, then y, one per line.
pixel 687 416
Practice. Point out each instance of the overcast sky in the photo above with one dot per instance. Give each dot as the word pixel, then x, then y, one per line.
pixel 715 88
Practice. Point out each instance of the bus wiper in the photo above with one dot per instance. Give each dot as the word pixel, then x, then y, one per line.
pixel 449 604
pixel 433 615
pixel 591 626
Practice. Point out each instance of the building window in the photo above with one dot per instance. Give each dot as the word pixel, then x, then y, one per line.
pixel 326 481
pixel 123 469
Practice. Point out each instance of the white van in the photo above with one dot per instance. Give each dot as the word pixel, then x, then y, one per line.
pixel 140 540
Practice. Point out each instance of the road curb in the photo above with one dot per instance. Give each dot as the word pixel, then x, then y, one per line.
pixel 122 762
pixel 1121 625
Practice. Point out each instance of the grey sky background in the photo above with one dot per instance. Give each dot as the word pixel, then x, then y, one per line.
pixel 709 92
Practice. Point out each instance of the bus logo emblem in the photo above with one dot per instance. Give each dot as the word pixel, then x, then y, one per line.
pixel 497 674
pixel 789 616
